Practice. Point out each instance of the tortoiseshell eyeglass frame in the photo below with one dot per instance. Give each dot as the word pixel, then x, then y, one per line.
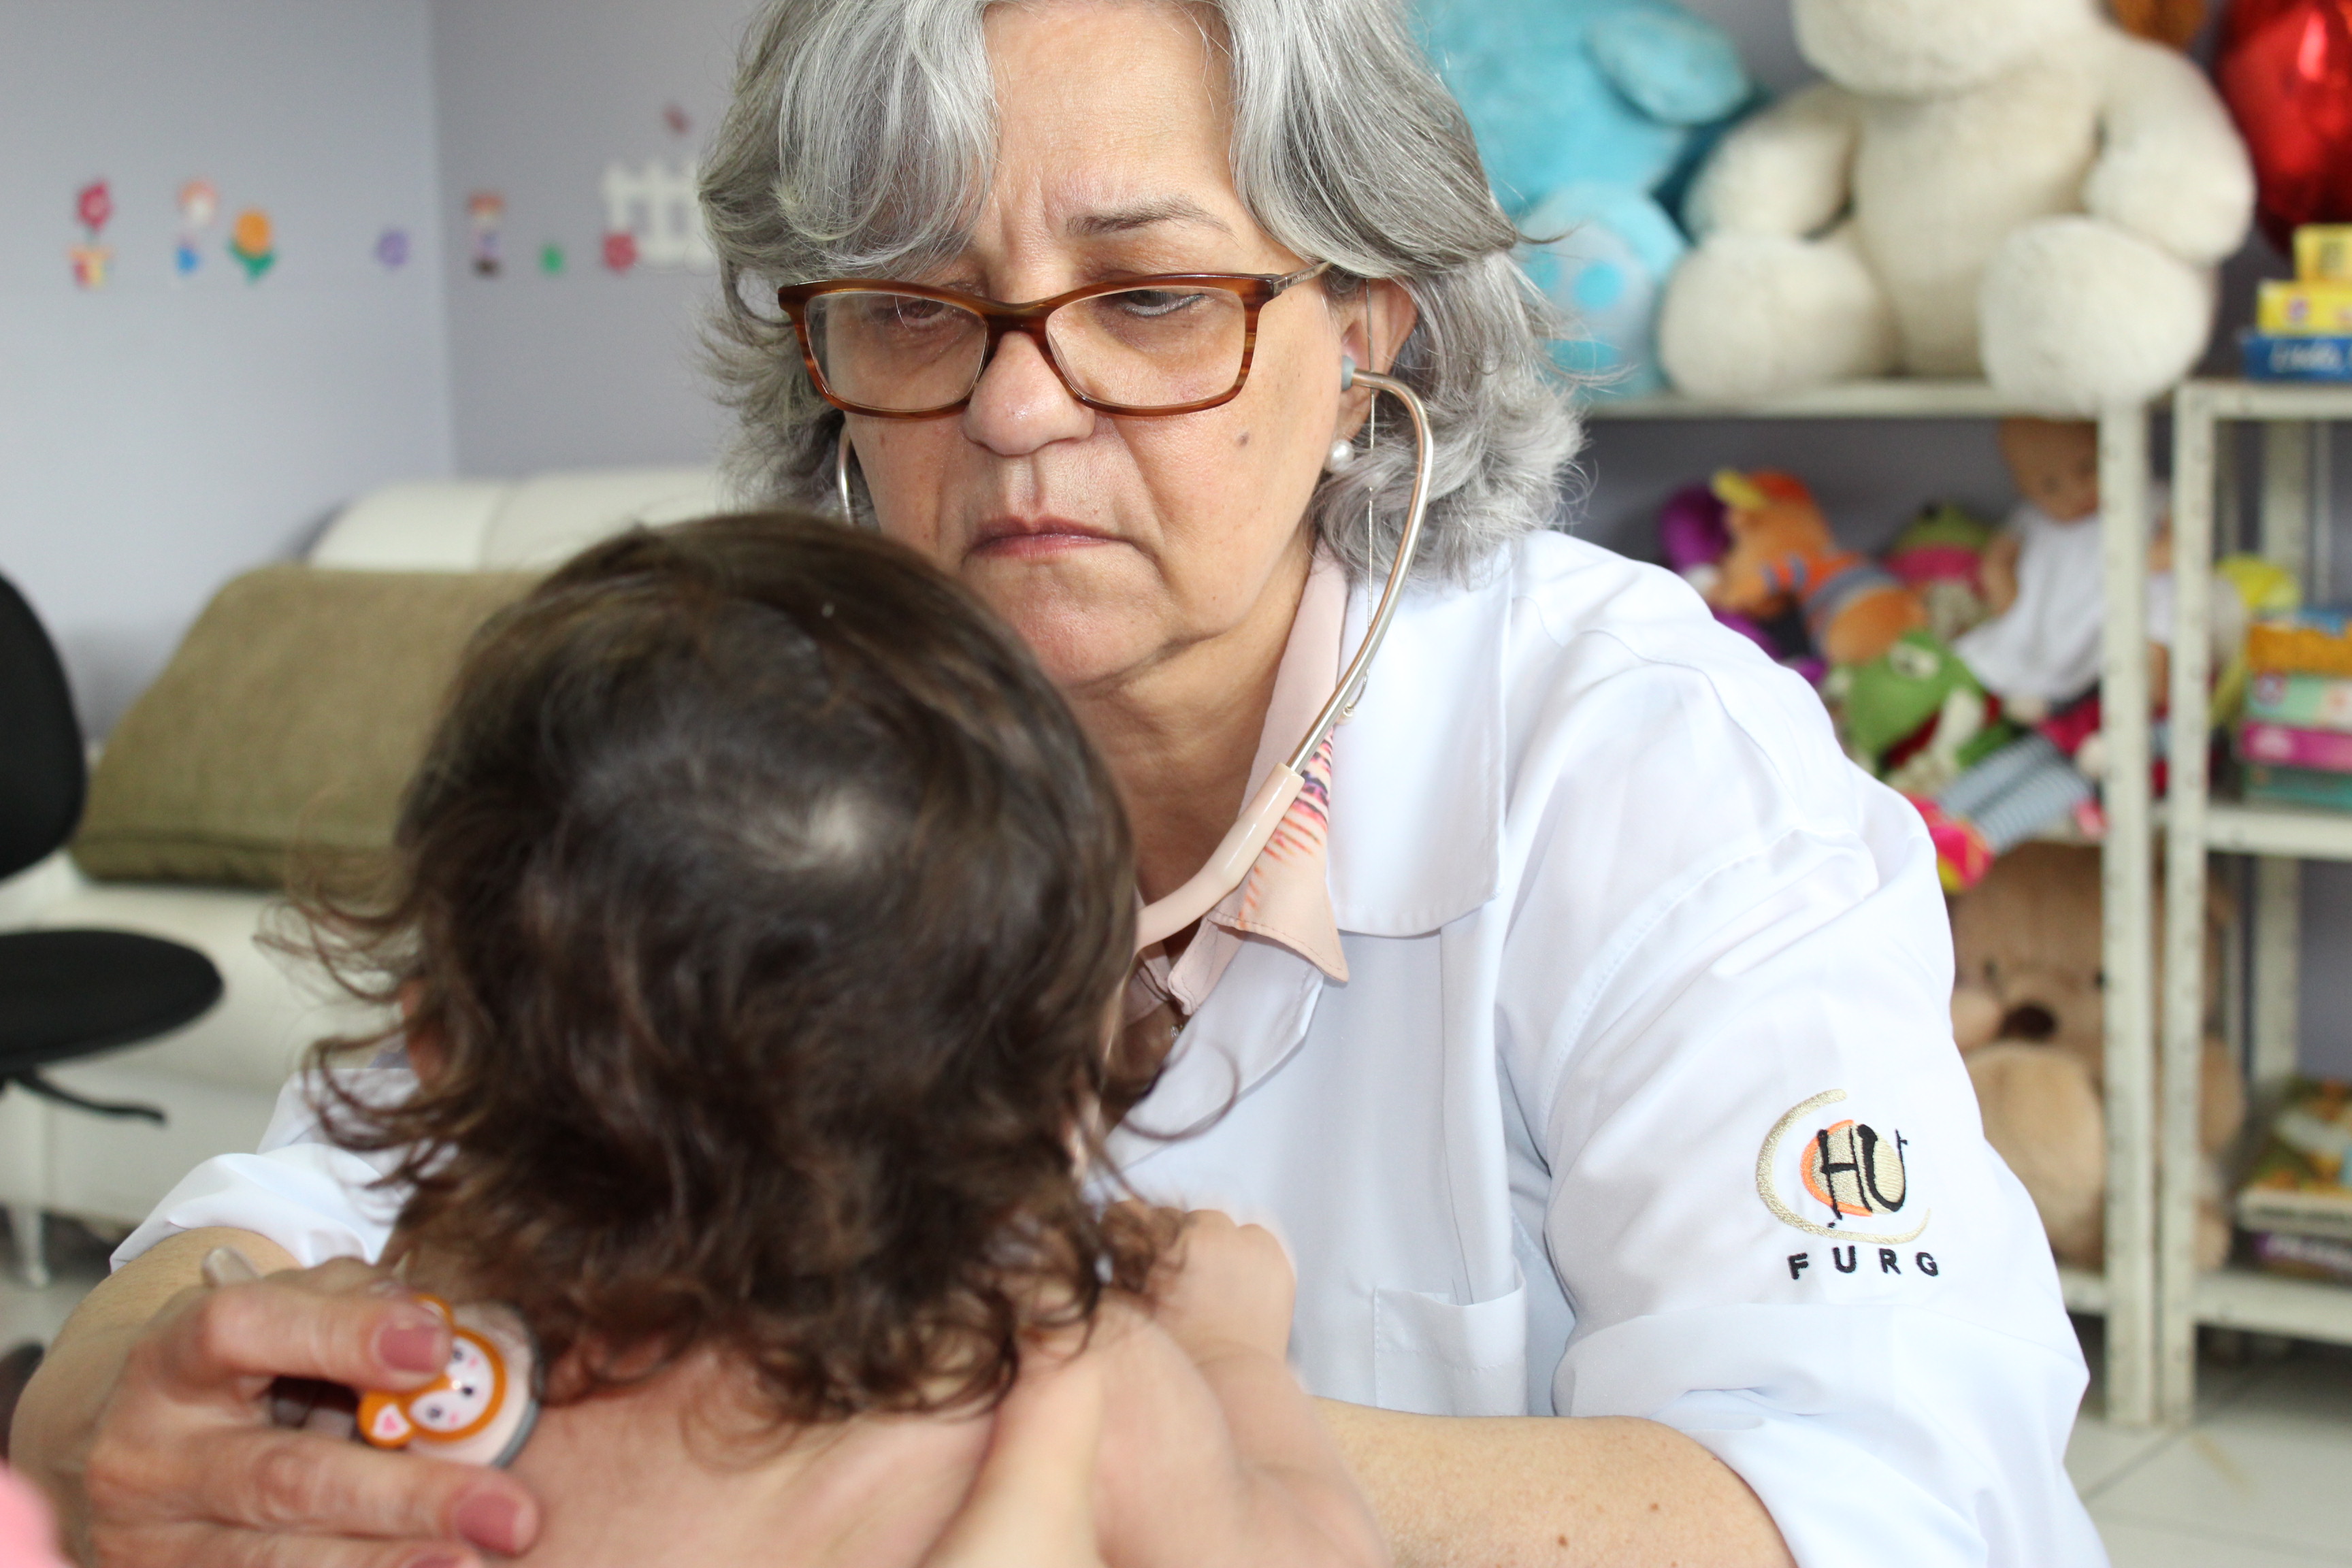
pixel 1256 292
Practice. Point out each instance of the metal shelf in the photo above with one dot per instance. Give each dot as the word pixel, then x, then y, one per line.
pixel 2278 837
pixel 2298 402
pixel 2306 833
pixel 2274 1304
pixel 2086 1290
pixel 1900 398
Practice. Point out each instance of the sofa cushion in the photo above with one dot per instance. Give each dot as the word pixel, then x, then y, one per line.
pixel 423 525
pixel 293 712
pixel 546 520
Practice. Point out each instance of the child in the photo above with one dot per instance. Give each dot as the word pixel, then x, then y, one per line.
pixel 760 920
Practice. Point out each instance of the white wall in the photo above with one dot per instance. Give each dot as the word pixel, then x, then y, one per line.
pixel 536 97
pixel 156 438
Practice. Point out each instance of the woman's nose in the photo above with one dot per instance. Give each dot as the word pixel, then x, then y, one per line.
pixel 1021 404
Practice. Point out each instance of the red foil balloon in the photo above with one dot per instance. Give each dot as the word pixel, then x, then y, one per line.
pixel 2285 71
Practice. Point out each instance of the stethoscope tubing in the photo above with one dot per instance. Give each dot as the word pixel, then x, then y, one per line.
pixel 1248 838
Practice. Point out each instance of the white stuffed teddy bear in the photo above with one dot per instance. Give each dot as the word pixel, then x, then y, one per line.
pixel 2015 188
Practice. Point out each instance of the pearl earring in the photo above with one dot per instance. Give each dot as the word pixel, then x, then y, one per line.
pixel 1342 453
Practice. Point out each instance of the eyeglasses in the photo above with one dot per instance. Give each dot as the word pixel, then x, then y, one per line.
pixel 1171 343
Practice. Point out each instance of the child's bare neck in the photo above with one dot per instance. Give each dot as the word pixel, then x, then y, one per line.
pixel 670 1471
pixel 682 1467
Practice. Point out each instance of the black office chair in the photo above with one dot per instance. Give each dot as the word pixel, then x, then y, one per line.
pixel 67 994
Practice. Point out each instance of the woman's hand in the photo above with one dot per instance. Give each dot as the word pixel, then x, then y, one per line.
pixel 151 1429
pixel 1224 1286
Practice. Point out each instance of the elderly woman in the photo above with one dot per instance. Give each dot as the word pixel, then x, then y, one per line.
pixel 1582 1030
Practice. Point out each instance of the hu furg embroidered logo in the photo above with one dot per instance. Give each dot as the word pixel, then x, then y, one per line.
pixel 1838 1177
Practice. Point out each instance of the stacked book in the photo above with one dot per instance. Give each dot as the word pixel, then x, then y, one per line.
pixel 2303 328
pixel 2295 738
pixel 2295 1202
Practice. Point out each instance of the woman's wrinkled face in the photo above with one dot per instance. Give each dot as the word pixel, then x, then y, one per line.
pixel 1114 543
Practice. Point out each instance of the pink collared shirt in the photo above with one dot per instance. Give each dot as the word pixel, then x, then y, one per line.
pixel 1286 898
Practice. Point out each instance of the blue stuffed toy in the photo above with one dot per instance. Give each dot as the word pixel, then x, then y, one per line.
pixel 1589 115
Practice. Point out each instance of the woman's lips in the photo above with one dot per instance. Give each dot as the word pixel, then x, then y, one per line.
pixel 1030 538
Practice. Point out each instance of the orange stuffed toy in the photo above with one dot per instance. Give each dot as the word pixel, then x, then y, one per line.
pixel 1783 555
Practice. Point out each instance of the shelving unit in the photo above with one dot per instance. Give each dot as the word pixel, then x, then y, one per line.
pixel 2293 523
pixel 2126 1292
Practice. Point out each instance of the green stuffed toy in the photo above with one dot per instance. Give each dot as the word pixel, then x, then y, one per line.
pixel 1914 716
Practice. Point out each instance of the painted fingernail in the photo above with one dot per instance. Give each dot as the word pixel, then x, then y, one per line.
pixel 411 1343
pixel 492 1520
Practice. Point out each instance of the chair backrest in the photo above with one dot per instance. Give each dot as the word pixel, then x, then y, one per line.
pixel 43 772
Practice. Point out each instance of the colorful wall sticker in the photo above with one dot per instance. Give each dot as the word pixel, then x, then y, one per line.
pixel 199 203
pixel 485 211
pixel 392 249
pixel 656 205
pixel 253 240
pixel 620 250
pixel 675 118
pixel 551 259
pixel 93 204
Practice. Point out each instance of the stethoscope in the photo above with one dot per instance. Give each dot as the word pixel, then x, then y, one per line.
pixel 1248 838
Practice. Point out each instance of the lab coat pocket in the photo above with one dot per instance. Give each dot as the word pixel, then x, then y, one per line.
pixel 1433 1357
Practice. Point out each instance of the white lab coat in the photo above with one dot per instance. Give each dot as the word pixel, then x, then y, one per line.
pixel 1615 909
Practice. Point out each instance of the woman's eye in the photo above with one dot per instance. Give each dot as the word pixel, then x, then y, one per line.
pixel 1153 303
pixel 917 313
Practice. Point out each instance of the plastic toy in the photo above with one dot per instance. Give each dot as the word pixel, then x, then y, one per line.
pixel 1589 113
pixel 2015 188
pixel 480 1410
pixel 1782 554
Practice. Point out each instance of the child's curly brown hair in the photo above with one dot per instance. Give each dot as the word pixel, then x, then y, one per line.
pixel 759 915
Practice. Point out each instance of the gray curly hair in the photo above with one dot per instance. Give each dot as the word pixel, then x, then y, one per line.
pixel 860 142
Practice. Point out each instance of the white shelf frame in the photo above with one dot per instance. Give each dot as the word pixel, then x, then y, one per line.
pixel 1904 399
pixel 2126 1291
pixel 2279 837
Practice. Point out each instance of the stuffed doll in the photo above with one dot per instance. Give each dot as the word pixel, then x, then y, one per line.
pixel 1694 540
pixel 1586 112
pixel 2027 1011
pixel 1782 554
pixel 2011 187
pixel 1940 557
pixel 1914 716
pixel 2043 574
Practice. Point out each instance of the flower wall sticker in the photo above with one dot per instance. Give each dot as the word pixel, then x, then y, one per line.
pixel 253 241
pixel 93 204
pixel 199 202
pixel 486 213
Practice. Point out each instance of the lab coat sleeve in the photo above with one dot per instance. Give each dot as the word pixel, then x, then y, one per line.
pixel 311 1197
pixel 1731 969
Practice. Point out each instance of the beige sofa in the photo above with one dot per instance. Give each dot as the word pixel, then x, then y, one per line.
pixel 219 1078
